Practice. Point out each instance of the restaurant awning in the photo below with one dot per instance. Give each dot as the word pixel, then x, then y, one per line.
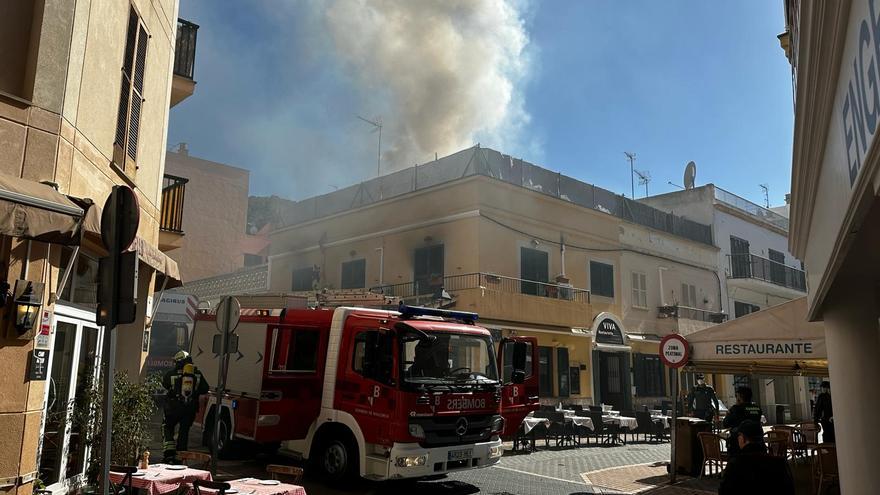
pixel 31 210
pixel 774 341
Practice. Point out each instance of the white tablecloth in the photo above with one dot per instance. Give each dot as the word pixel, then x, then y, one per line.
pixel 663 419
pixel 582 421
pixel 530 422
pixel 622 421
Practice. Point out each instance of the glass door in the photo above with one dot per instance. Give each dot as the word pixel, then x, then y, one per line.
pixel 74 366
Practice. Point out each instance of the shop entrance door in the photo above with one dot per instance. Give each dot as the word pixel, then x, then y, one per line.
pixel 613 379
pixel 74 366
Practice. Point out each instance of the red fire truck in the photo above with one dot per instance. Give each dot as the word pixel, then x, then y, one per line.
pixel 355 391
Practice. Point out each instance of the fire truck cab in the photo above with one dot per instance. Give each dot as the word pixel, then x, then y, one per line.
pixel 376 393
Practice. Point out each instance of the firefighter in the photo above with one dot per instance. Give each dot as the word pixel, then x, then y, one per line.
pixel 702 400
pixel 183 385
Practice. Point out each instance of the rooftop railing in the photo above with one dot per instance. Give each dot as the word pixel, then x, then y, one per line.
pixel 432 289
pixel 753 266
pixel 689 313
pixel 185 49
pixel 746 206
pixel 173 194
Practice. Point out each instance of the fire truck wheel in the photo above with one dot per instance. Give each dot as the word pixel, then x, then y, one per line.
pixel 337 461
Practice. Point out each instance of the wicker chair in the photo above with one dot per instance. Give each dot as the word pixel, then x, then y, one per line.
pixel 198 460
pixel 779 441
pixel 288 473
pixel 809 436
pixel 713 453
pixel 827 474
pixel 219 486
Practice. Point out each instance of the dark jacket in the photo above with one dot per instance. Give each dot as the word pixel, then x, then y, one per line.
pixel 753 472
pixel 822 411
pixel 702 398
pixel 741 412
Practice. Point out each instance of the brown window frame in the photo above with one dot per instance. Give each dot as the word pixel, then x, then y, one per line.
pixel 131 95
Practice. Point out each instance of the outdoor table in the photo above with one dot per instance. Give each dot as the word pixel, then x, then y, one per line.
pixel 623 422
pixel 582 421
pixel 662 419
pixel 157 479
pixel 253 486
pixel 529 423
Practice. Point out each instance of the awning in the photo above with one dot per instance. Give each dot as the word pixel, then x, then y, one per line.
pixel 774 341
pixel 31 210
pixel 158 260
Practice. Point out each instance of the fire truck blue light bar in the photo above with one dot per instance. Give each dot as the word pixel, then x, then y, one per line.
pixel 411 311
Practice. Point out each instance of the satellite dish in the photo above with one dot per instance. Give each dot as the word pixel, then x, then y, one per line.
pixel 690 173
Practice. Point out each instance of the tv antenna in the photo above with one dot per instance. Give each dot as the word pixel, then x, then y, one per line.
pixel 690 174
pixel 766 189
pixel 644 178
pixel 377 126
pixel 631 157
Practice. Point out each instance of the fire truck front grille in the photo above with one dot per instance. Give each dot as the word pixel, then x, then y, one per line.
pixel 440 431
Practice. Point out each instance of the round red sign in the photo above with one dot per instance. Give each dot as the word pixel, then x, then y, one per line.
pixel 674 351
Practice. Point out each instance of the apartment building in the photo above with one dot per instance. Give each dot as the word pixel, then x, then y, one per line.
pixel 532 251
pixel 755 270
pixel 85 92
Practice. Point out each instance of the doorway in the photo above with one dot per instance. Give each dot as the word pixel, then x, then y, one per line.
pixel 74 365
pixel 612 372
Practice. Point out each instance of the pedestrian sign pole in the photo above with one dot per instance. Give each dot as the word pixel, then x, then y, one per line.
pixel 675 353
pixel 228 316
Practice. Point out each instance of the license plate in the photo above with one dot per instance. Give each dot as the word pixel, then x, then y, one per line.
pixel 460 455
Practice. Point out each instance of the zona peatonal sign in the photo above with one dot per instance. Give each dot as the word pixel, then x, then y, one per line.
pixel 674 351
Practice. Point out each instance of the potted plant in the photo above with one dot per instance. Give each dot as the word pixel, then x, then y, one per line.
pixel 133 407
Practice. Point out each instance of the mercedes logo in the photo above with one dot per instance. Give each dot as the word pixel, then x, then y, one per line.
pixel 461 426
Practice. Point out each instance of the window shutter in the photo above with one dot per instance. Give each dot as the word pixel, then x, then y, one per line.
pixel 137 96
pixel 639 373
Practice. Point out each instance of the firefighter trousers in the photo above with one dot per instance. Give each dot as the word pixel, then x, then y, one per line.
pixel 182 420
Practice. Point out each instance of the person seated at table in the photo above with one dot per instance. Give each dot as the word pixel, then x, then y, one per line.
pixel 753 471
pixel 743 410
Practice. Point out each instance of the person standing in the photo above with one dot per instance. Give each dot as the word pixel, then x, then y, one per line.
pixel 743 410
pixel 823 414
pixel 183 385
pixel 703 401
pixel 754 472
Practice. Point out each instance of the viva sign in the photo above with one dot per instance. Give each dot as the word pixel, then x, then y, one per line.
pixel 861 102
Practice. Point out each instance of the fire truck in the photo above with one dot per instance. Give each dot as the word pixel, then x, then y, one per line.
pixel 376 393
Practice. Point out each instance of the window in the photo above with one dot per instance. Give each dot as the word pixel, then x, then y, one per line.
pixel 777 266
pixel 507 370
pixel 131 97
pixel 383 363
pixel 575 380
pixel 428 269
pixel 601 279
pixel 354 274
pixel 639 290
pixel 742 309
pixel 648 375
pixel 302 279
pixel 82 286
pixel 253 260
pixel 740 260
pixel 294 350
pixel 688 295
pixel 545 371
pixel 533 267
pixel 563 371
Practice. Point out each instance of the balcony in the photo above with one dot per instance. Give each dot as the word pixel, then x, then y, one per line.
pixel 497 297
pixel 690 320
pixel 171 215
pixel 746 207
pixel 752 267
pixel 183 85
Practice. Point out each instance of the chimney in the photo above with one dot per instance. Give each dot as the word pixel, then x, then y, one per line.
pixel 788 198
pixel 182 149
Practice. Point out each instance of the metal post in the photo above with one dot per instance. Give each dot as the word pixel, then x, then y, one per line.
pixel 221 386
pixel 673 430
pixel 109 359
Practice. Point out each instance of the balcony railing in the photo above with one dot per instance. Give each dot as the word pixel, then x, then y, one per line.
pixel 689 313
pixel 756 211
pixel 752 266
pixel 185 49
pixel 173 194
pixel 432 289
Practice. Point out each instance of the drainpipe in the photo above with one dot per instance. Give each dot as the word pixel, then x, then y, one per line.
pixel 562 252
pixel 660 271
pixel 381 251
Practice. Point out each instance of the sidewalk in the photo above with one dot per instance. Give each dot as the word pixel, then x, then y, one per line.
pixel 647 479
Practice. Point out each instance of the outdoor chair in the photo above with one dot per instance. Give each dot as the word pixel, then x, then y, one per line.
pixel 602 431
pixel 123 486
pixel 560 429
pixel 596 408
pixel 289 473
pixel 777 447
pixel 198 460
pixel 577 408
pixel 647 427
pixel 713 453
pixel 783 438
pixel 828 474
pixel 809 436
pixel 547 408
pixel 219 486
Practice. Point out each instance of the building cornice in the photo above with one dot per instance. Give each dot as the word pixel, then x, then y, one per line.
pixel 820 49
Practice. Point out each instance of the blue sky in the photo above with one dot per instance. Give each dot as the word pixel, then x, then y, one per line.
pixel 672 81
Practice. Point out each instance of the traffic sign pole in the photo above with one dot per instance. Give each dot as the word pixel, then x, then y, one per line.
pixel 674 429
pixel 675 353
pixel 228 316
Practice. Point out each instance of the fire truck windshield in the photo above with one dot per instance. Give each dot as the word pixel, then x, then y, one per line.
pixel 449 359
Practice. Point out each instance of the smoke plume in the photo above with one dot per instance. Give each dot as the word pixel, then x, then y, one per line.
pixel 441 74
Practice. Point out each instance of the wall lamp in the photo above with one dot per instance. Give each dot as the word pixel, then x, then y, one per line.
pixel 27 297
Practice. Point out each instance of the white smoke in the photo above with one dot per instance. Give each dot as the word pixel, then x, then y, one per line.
pixel 440 73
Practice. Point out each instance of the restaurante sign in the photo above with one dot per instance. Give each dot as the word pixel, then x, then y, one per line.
pixel 780 349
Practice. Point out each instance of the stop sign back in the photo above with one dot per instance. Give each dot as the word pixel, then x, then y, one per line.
pixel 674 351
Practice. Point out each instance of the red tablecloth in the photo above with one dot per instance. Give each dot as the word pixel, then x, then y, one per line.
pixel 252 486
pixel 158 480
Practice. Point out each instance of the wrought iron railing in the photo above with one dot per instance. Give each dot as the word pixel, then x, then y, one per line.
pixel 436 289
pixel 753 266
pixel 173 194
pixel 689 313
pixel 185 49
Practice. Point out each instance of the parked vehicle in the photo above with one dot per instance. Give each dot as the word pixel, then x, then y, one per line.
pixel 518 399
pixel 376 393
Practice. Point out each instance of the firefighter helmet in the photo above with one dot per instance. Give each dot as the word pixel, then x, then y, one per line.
pixel 181 356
